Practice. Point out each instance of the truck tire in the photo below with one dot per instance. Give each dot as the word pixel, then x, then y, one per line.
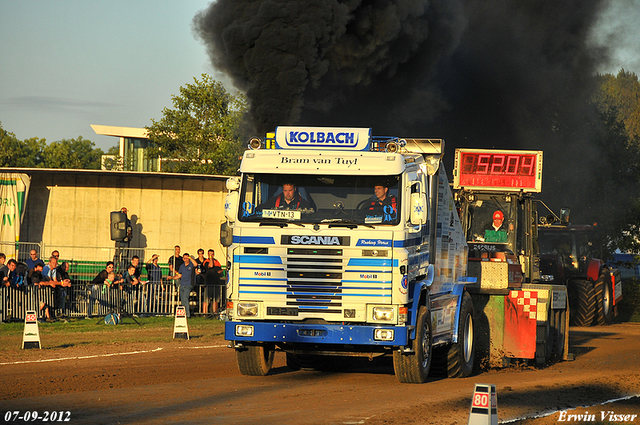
pixel 461 355
pixel 604 299
pixel 255 360
pixel 582 302
pixel 413 368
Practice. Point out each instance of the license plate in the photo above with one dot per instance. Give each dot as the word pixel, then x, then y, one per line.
pixel 286 214
pixel 282 311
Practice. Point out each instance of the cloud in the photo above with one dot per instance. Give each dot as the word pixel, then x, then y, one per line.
pixel 49 102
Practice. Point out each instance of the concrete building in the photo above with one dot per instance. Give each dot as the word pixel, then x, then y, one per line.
pixel 134 149
pixel 69 210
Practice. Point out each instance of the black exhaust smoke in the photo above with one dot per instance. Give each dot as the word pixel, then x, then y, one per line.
pixel 478 73
pixel 321 53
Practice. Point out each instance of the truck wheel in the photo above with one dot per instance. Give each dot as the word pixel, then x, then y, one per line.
pixel 255 360
pixel 604 300
pixel 582 301
pixel 413 368
pixel 461 354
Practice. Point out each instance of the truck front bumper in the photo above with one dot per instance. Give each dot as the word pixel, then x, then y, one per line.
pixel 316 333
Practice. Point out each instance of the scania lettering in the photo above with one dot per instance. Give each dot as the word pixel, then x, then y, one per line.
pixel 372 263
pixel 315 240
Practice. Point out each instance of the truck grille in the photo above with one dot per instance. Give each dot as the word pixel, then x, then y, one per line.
pixel 314 279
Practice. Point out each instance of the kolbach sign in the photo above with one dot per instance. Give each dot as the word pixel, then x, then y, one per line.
pixel 14 189
pixel 334 138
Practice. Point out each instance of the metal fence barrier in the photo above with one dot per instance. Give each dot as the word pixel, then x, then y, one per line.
pixel 83 299
pixel 154 299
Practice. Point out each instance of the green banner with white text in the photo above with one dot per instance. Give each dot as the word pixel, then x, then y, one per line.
pixel 14 188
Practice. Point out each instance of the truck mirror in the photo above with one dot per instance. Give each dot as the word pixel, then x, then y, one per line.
pixel 226 235
pixel 418 208
pixel 233 183
pixel 231 206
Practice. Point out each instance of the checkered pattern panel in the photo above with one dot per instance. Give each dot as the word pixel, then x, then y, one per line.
pixel 527 301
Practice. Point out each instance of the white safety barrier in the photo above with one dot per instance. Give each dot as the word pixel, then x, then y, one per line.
pixel 180 328
pixel 31 334
pixel 484 406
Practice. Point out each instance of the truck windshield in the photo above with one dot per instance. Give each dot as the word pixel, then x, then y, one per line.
pixel 366 200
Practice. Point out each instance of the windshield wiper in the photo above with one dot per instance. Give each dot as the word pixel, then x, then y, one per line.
pixel 340 222
pixel 274 223
pixel 281 224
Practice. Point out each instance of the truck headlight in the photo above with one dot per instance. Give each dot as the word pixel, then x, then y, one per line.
pixel 244 330
pixel 383 335
pixel 383 314
pixel 546 277
pixel 247 309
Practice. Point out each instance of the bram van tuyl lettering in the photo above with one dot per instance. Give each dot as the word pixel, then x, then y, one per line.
pixel 605 415
pixel 339 161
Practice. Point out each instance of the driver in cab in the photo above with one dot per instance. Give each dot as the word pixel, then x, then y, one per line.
pixel 382 198
pixel 496 231
pixel 288 199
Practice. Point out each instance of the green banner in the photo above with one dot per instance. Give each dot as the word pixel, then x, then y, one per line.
pixel 14 188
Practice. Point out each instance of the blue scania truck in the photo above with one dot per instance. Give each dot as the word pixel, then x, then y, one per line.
pixel 340 243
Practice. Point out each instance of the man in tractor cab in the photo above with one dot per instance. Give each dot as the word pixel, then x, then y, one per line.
pixel 496 231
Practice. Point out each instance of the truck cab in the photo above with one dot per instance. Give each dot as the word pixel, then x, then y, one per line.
pixel 344 244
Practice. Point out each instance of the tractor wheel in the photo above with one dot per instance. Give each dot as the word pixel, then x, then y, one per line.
pixel 413 368
pixel 582 302
pixel 604 299
pixel 255 360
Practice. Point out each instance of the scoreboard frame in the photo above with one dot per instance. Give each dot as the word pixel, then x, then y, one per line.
pixel 498 169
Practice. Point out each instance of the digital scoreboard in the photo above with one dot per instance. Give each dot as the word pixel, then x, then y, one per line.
pixel 505 170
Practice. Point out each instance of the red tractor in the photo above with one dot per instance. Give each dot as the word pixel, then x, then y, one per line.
pixel 566 257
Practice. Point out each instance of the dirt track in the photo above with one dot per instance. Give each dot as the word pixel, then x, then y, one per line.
pixel 197 381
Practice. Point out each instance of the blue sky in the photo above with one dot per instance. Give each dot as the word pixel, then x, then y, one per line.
pixel 66 64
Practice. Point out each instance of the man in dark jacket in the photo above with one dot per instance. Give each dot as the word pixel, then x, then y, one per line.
pixel 186 273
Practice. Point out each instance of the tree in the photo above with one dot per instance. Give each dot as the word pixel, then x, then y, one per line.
pixel 73 153
pixel 35 153
pixel 15 153
pixel 203 130
pixel 616 181
pixel 621 95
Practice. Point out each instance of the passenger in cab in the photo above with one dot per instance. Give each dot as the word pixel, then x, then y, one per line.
pixel 288 199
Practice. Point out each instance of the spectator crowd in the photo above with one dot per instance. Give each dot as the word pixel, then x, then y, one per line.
pixel 125 290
